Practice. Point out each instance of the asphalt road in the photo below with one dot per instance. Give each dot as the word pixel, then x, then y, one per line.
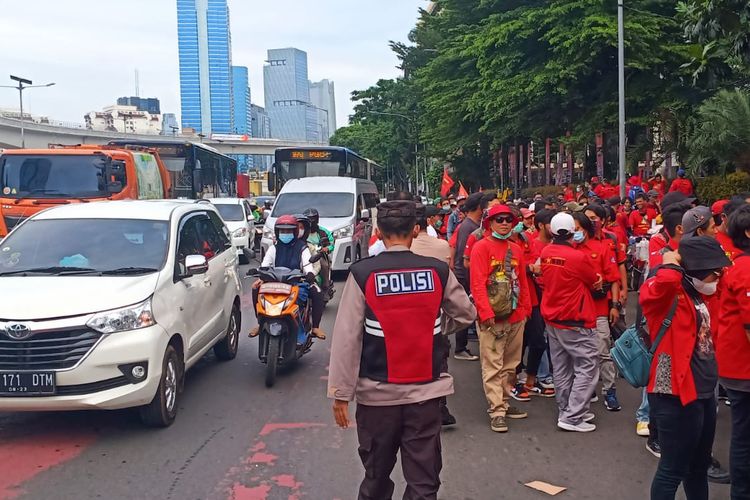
pixel 234 438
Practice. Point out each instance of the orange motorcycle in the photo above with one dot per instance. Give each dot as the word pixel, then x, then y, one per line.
pixel 284 316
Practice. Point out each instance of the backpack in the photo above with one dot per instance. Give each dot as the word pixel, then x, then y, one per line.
pixel 635 191
pixel 503 288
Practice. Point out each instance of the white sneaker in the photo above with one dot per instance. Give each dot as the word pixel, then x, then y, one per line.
pixel 595 398
pixel 582 427
pixel 589 416
pixel 465 356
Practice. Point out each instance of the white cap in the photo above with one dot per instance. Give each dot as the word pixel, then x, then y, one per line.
pixel 562 222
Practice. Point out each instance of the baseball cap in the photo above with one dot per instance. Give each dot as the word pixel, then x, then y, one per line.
pixel 473 202
pixel 653 193
pixel 695 218
pixel 573 206
pixel 702 253
pixel 562 224
pixel 718 207
pixel 526 213
pixel 674 197
pixel 615 200
pixel 595 179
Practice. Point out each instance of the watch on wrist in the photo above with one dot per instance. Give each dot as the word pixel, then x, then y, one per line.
pixel 617 305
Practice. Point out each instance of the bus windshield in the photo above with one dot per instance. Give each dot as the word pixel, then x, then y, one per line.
pixel 329 205
pixel 55 176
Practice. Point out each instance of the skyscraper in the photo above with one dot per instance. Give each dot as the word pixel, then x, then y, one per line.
pixel 322 96
pixel 241 100
pixel 287 95
pixel 261 128
pixel 205 65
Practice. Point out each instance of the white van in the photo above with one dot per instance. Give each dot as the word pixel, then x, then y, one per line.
pixel 345 205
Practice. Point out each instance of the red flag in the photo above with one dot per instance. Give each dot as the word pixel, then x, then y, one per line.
pixel 462 190
pixel 447 183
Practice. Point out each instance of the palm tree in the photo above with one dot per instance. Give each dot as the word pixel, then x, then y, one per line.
pixel 720 135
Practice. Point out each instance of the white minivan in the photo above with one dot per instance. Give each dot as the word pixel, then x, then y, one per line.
pixel 106 305
pixel 345 205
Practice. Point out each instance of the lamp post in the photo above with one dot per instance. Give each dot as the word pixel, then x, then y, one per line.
pixel 416 141
pixel 621 92
pixel 23 84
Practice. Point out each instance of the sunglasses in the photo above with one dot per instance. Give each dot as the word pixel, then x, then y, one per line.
pixel 503 219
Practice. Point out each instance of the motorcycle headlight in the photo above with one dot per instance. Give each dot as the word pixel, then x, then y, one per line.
pixel 127 318
pixel 344 232
pixel 240 233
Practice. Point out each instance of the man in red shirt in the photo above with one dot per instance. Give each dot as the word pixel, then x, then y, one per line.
pixel 607 190
pixel 682 184
pixel 658 185
pixel 672 220
pixel 721 211
pixel 569 311
pixel 640 219
pixel 501 293
pixel 733 350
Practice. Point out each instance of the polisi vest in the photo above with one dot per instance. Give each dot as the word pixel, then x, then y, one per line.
pixel 403 295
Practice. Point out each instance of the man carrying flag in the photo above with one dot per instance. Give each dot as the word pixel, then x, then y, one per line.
pixel 447 183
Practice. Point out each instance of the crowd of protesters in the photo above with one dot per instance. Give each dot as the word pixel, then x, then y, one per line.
pixel 548 278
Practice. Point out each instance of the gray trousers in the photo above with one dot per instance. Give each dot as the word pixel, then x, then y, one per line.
pixel 575 359
pixel 607 369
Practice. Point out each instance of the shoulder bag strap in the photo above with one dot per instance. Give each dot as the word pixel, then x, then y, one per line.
pixel 664 326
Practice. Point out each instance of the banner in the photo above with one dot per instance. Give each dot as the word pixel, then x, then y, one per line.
pixel 447 184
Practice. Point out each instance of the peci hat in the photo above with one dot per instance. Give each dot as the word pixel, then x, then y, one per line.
pixel 695 218
pixel 562 224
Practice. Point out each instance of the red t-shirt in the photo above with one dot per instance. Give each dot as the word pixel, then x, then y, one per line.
pixel 640 223
pixel 568 279
pixel 685 186
pixel 568 195
pixel 599 253
pixel 732 343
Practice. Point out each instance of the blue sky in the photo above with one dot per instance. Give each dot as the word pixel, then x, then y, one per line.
pixel 90 48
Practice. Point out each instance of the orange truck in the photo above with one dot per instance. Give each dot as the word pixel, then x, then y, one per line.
pixel 32 180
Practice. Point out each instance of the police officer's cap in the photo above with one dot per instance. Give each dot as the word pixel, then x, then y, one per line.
pixel 399 208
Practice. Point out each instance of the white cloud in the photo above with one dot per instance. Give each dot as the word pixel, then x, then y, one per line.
pixel 90 48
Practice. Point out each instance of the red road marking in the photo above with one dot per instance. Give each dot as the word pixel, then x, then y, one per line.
pixel 242 492
pixel 23 458
pixel 269 428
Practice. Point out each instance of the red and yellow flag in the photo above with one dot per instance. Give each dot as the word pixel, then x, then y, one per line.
pixel 447 183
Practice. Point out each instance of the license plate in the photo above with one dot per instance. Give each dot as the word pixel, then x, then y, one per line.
pixel 26 383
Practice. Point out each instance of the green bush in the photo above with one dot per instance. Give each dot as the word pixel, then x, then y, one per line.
pixel 721 187
pixel 545 190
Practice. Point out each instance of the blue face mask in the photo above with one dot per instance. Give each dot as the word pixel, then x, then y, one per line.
pixel 578 236
pixel 501 236
pixel 286 238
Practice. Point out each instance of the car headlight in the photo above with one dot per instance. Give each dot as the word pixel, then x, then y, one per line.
pixel 344 232
pixel 268 233
pixel 240 233
pixel 127 318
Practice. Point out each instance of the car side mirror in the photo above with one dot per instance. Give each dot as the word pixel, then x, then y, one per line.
pixel 250 218
pixel 365 214
pixel 195 265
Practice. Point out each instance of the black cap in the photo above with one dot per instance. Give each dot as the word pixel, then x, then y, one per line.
pixel 473 202
pixel 399 208
pixel 431 211
pixel 615 200
pixel 702 253
pixel 674 197
pixel 420 210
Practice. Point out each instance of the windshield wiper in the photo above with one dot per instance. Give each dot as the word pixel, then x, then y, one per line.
pixel 131 270
pixel 28 194
pixel 54 270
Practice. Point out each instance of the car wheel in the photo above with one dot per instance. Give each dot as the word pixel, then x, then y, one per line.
pixel 162 410
pixel 226 348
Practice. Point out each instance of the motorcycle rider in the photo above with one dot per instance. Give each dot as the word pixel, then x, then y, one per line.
pixel 291 251
pixel 323 238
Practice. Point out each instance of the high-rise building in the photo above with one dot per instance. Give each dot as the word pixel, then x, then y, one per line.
pixel 323 97
pixel 205 65
pixel 287 95
pixel 261 128
pixel 169 125
pixel 241 100
pixel 150 104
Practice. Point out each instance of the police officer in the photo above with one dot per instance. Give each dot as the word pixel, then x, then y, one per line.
pixel 397 298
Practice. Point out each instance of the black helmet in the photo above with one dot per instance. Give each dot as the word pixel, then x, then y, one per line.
pixel 313 215
pixel 305 221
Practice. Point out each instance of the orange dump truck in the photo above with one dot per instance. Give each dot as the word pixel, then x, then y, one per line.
pixel 32 180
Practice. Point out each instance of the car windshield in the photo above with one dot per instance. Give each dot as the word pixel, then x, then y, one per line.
pixel 329 205
pixel 54 176
pixel 230 212
pixel 101 245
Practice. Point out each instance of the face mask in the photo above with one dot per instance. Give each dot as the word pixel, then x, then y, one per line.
pixel 501 236
pixel 438 224
pixel 286 238
pixel 703 287
pixel 578 236
pixel 519 228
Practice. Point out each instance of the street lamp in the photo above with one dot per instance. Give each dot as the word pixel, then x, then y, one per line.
pixel 621 91
pixel 23 84
pixel 416 141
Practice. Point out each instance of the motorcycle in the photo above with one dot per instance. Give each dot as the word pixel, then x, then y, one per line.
pixel 328 290
pixel 637 264
pixel 285 326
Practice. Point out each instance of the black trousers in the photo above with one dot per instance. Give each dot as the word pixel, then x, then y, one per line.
pixel 686 436
pixel 415 430
pixel 739 452
pixel 533 339
pixel 462 336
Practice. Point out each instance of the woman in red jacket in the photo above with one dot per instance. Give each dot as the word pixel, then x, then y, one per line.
pixel 684 372
pixel 733 350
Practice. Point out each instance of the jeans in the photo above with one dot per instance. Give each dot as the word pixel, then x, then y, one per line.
pixel 686 435
pixel 545 366
pixel 641 414
pixel 739 452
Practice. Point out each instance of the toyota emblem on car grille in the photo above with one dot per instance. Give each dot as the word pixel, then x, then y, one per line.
pixel 18 331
